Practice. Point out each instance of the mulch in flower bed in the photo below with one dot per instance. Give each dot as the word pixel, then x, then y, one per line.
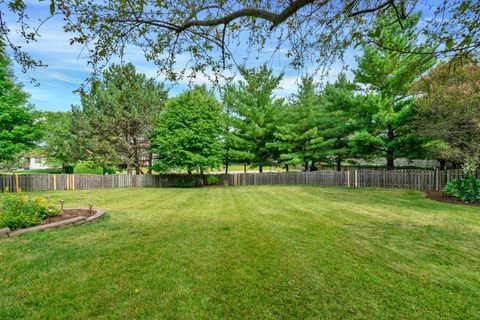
pixel 69 214
pixel 438 195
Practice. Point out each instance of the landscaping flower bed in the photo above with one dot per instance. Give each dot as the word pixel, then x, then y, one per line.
pixel 19 215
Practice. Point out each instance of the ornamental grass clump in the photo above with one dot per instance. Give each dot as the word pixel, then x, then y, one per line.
pixel 18 211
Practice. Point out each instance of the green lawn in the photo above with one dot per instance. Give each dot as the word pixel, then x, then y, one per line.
pixel 272 252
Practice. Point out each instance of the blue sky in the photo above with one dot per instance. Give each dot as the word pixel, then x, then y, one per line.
pixel 67 66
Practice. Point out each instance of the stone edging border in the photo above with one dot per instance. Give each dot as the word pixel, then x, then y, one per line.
pixel 6 232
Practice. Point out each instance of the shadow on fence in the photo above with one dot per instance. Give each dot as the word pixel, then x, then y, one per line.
pixel 404 179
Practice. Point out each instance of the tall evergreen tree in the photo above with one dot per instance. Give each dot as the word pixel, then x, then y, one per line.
pixel 19 128
pixel 342 113
pixel 251 109
pixel 118 117
pixel 235 147
pixel 388 75
pixel 297 132
pixel 188 133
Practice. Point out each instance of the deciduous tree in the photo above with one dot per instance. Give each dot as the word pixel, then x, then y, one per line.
pixel 188 134
pixel 19 128
pixel 449 111
pixel 59 140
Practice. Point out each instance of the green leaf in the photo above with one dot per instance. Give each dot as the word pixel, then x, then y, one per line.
pixel 449 43
pixel 52 7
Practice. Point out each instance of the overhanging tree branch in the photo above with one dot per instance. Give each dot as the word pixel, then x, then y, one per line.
pixel 274 18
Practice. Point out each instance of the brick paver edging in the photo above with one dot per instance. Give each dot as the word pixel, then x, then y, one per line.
pixel 65 223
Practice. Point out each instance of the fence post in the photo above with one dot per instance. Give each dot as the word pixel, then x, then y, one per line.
pixel 437 179
pixel 348 178
pixel 54 182
pixel 384 178
pixel 17 183
pixel 356 178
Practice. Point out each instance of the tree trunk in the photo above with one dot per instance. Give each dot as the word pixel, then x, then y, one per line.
pixel 189 171
pixel 286 167
pixel 390 159
pixel 244 167
pixel 202 177
pixel 150 163
pixel 390 151
pixel 443 164
pixel 339 164
pixel 136 157
pixel 260 169
pixel 129 169
pixel 313 167
pixel 226 166
pixel 306 166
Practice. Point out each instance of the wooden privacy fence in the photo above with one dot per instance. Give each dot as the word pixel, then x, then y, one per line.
pixel 42 182
pixel 405 179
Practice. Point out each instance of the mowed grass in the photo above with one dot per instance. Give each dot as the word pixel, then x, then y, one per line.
pixel 265 252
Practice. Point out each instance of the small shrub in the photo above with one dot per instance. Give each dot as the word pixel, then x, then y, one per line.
pixel 18 211
pixel 69 169
pixel 212 180
pixel 87 167
pixel 466 189
pixel 110 171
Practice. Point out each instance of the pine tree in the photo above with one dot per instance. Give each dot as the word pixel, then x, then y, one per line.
pixel 235 146
pixel 339 118
pixel 388 75
pixel 251 108
pixel 297 130
pixel 117 117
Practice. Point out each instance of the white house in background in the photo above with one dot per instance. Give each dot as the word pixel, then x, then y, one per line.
pixel 36 163
pixel 36 160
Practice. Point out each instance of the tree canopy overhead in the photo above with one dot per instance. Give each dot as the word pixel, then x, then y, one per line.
pixel 201 33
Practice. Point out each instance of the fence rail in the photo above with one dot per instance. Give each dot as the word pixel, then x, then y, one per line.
pixel 404 179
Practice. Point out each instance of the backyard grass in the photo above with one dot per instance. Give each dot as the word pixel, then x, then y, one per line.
pixel 273 252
